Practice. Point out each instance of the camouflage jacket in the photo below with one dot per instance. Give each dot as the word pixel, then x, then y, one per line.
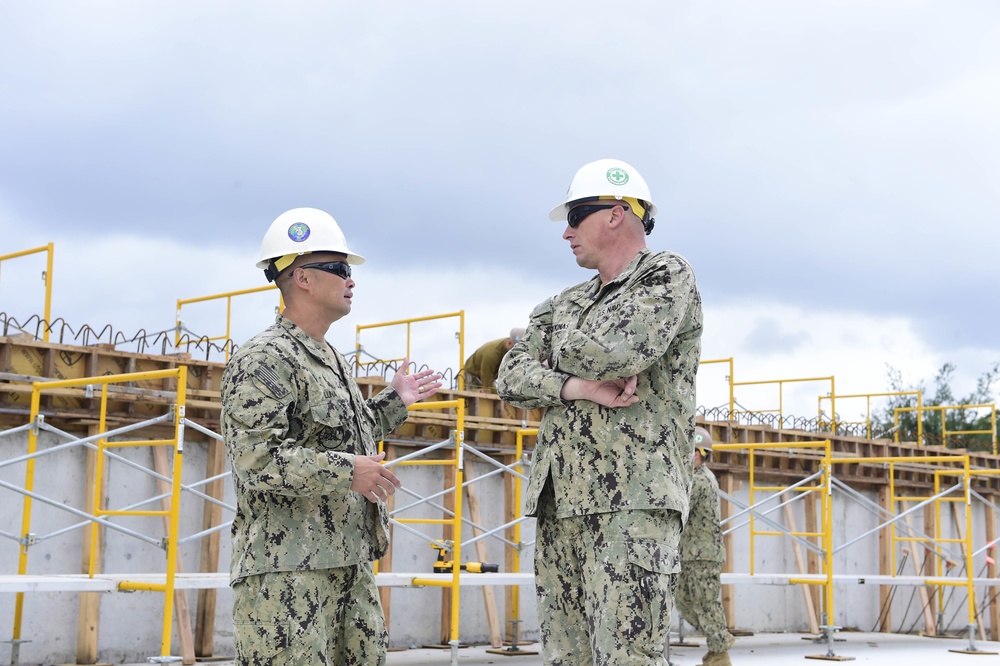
pixel 645 322
pixel 702 535
pixel 292 419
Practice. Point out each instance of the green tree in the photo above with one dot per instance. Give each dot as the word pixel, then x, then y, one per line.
pixel 965 419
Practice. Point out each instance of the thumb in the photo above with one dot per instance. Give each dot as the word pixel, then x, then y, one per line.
pixel 377 458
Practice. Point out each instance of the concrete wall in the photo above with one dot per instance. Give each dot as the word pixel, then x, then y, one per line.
pixel 130 624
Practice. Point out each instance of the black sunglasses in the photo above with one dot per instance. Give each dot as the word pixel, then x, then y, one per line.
pixel 339 268
pixel 576 215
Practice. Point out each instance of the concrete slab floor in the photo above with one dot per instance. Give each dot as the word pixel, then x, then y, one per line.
pixel 757 650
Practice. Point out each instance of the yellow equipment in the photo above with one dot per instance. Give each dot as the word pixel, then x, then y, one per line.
pixel 441 565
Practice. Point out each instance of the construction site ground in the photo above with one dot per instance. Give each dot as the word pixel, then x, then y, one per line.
pixel 758 650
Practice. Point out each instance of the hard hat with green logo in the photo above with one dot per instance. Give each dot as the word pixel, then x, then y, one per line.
pixel 703 441
pixel 610 180
pixel 301 231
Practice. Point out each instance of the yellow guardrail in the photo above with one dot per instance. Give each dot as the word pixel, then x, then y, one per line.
pixel 920 409
pixel 729 378
pixel 868 409
pixel 46 276
pixel 780 410
pixel 228 295
pixel 409 338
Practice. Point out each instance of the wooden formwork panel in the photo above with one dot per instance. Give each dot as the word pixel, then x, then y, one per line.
pixel 24 360
pixel 490 423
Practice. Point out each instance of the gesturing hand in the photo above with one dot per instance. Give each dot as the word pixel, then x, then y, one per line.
pixel 417 386
pixel 373 480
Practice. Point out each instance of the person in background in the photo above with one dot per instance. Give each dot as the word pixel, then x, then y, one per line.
pixel 699 590
pixel 310 487
pixel 481 368
pixel 613 362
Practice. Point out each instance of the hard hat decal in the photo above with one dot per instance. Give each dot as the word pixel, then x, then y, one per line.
pixel 617 176
pixel 298 232
pixel 698 438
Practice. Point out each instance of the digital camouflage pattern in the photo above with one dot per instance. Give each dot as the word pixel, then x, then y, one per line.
pixel 702 538
pixel 600 462
pixel 309 618
pixel 645 322
pixel 293 419
pixel 699 592
pixel 609 579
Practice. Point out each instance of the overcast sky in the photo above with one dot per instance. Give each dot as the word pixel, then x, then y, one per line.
pixel 830 169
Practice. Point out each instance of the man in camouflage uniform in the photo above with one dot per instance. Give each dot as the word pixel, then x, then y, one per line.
pixel 613 362
pixel 699 590
pixel 310 489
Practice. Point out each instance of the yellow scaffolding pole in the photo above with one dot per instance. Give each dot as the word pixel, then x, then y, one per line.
pixel 825 486
pixel 518 484
pixel 456 520
pixel 47 276
pixel 729 378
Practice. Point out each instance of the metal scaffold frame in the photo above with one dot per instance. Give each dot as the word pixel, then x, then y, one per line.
pixel 104 441
pixel 102 515
pixel 453 520
pixel 824 483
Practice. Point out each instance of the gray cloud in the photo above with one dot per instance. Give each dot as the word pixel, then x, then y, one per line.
pixel 822 155
pixel 769 337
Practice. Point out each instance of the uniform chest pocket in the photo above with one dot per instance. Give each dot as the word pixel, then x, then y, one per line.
pixel 333 421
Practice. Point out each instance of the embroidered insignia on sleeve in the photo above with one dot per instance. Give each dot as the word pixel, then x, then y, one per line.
pixel 269 379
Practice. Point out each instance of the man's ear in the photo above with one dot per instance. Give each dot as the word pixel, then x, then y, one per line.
pixel 299 278
pixel 617 217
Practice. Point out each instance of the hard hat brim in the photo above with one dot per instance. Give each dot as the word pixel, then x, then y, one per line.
pixel 353 259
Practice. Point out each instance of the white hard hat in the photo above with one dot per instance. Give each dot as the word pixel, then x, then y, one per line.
pixel 302 231
pixel 702 438
pixel 608 179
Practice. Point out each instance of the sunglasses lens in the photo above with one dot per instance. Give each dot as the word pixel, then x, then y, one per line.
pixel 580 213
pixel 339 268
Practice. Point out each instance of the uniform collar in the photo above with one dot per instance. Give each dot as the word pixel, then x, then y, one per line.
pixel 594 286
pixel 320 349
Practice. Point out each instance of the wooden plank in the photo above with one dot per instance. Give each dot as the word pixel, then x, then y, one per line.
pixel 991 567
pixel 204 634
pixel 812 557
pixel 886 565
pixel 88 619
pixel 182 611
pixel 925 599
pixel 447 534
pixel 960 534
pixel 800 564
pixel 385 563
pixel 511 504
pixel 729 485
pixel 489 599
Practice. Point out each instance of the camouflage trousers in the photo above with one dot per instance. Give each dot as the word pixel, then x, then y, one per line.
pixel 699 601
pixel 604 585
pixel 309 618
